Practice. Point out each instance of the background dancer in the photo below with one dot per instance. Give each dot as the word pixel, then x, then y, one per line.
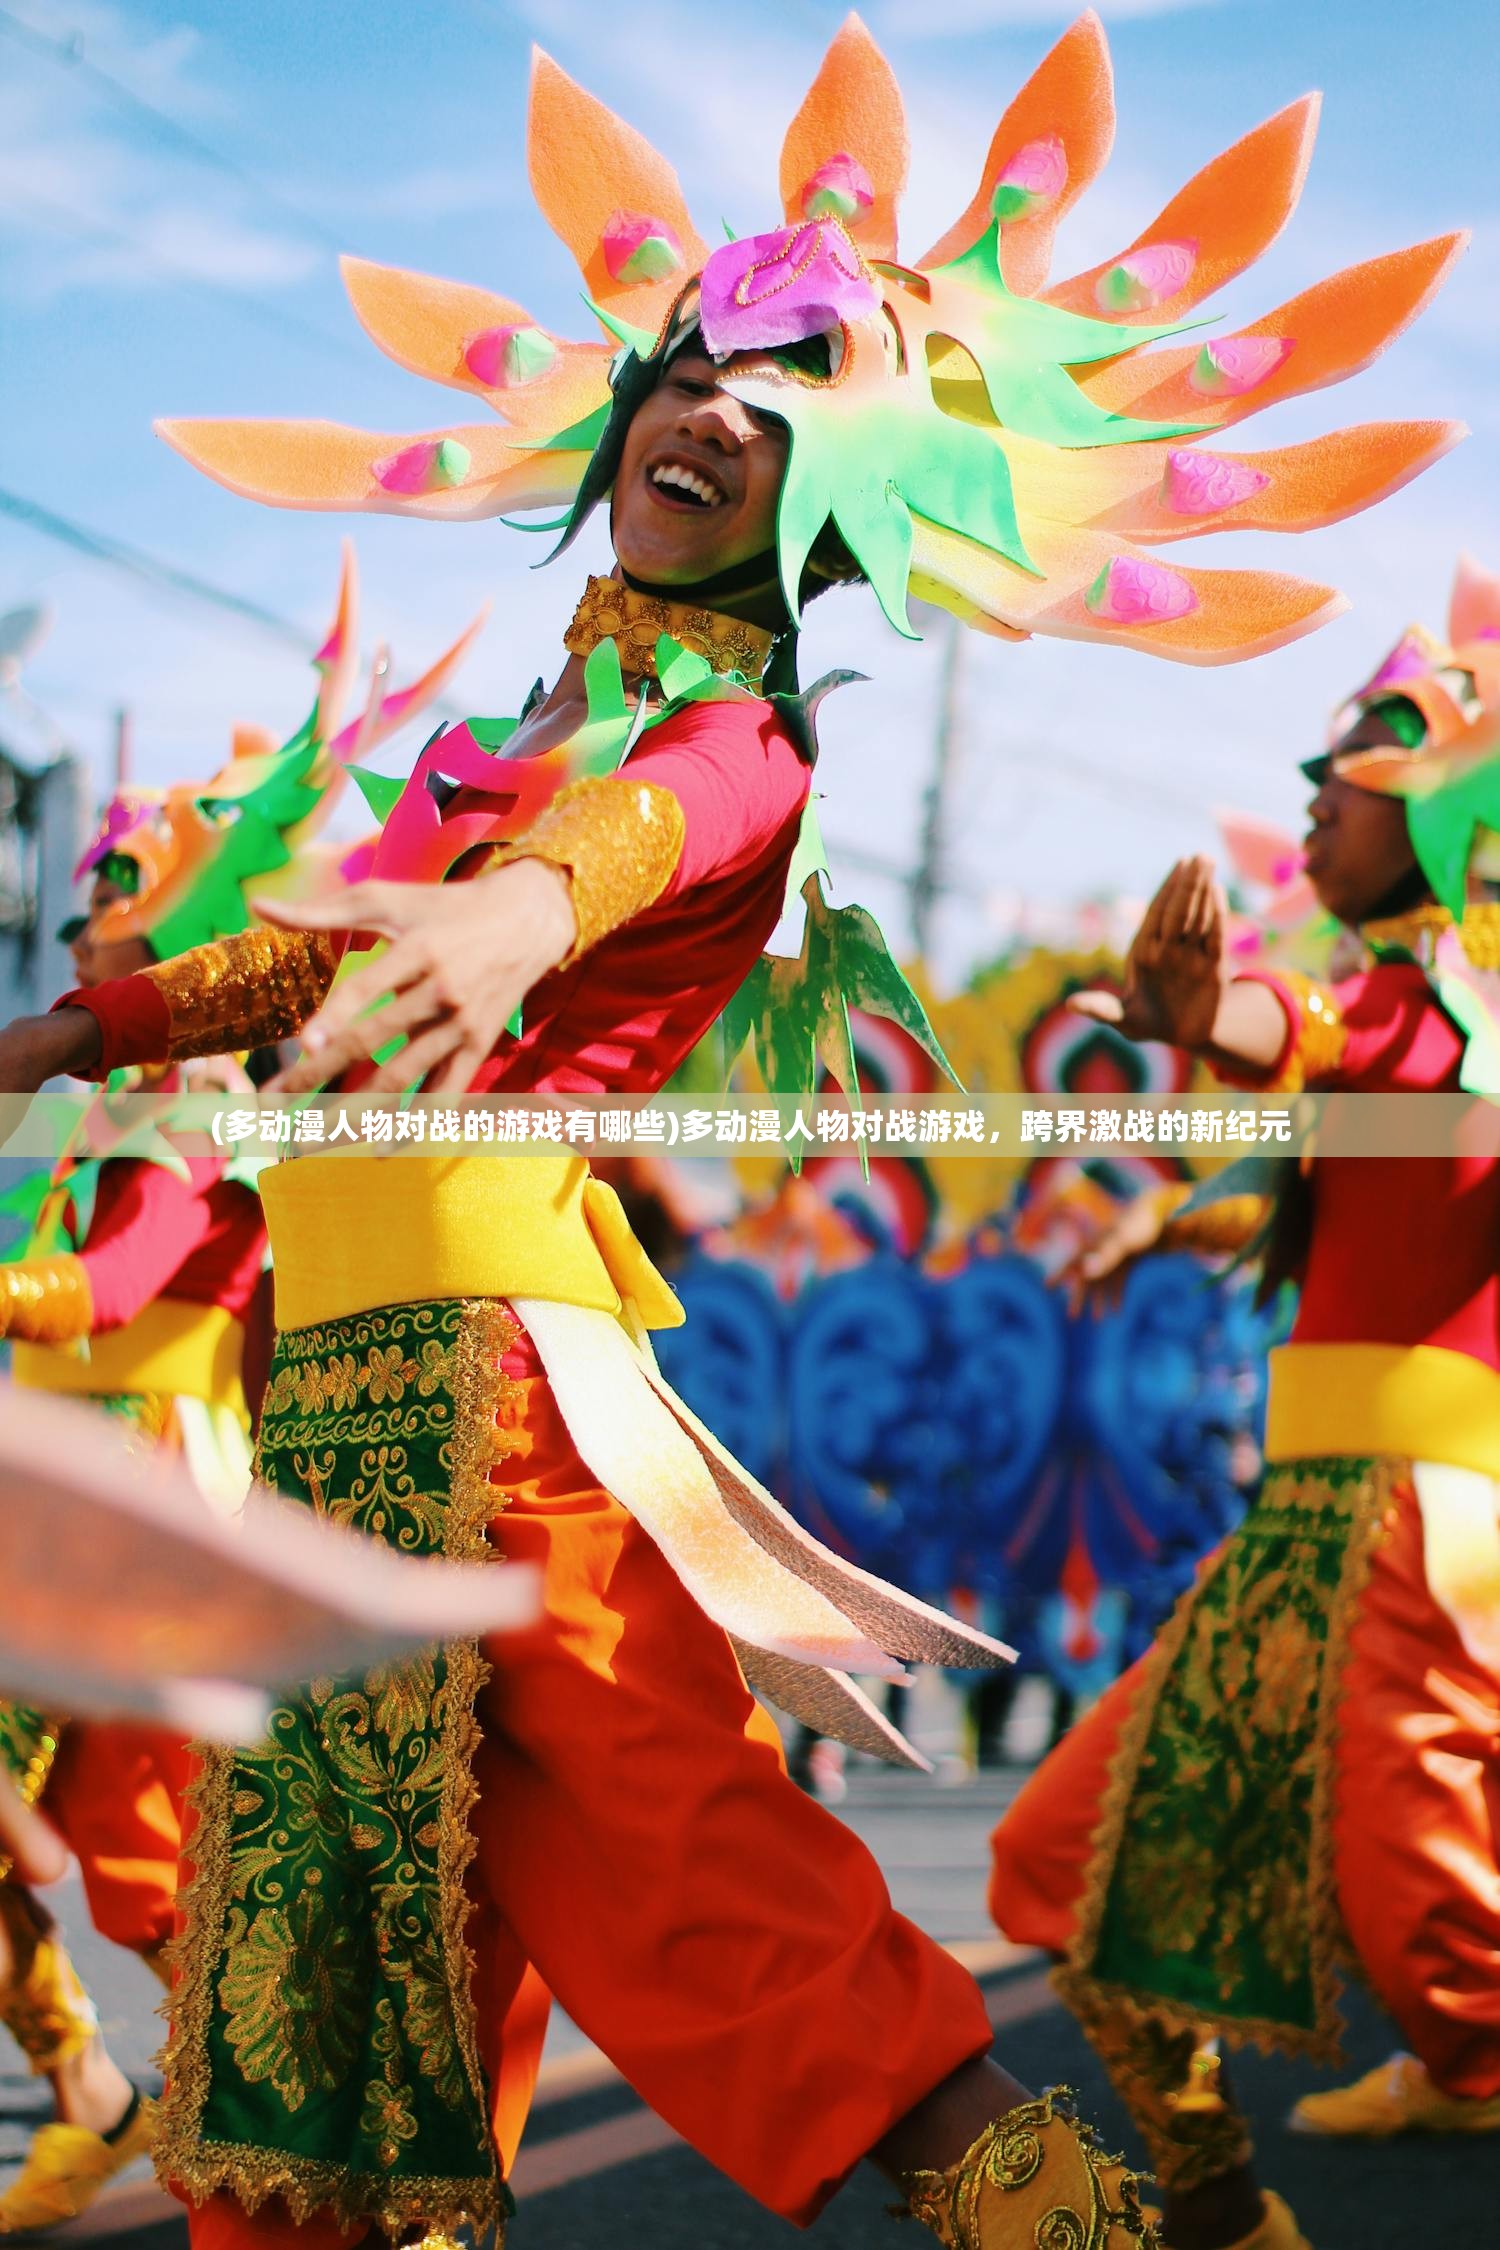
pixel 1305 1761
pixel 133 1293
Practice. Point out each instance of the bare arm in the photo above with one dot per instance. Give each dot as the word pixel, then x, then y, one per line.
pixel 36 1048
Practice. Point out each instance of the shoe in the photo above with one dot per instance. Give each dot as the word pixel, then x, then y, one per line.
pixel 1396 2097
pixel 1034 2177
pixel 65 2168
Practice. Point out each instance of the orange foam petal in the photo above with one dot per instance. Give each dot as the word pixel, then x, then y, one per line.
pixel 852 108
pixel 339 654
pixel 1070 96
pixel 428 326
pixel 1228 214
pixel 1475 605
pixel 1335 328
pixel 1177 491
pixel 586 165
pixel 325 465
pixel 1237 613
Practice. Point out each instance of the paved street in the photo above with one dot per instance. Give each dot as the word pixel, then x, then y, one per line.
pixel 600 2171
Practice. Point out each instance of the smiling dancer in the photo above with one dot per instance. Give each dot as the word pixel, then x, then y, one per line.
pixel 459 1353
pixel 1303 1766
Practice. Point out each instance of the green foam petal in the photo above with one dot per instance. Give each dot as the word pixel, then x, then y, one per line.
pixel 1024 348
pixel 1443 825
pixel 578 437
pixel 877 528
pixel 379 790
pixel 641 341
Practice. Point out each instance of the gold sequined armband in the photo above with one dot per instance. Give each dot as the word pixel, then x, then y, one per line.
pixel 244 991
pixel 46 1300
pixel 1318 1048
pixel 1217 1230
pixel 619 840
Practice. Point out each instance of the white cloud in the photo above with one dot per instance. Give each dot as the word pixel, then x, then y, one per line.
pixel 87 200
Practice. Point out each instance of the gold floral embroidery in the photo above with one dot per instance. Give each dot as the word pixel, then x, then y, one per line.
pixel 608 610
pixel 1209 1897
pixel 285 1994
pixel 323 2044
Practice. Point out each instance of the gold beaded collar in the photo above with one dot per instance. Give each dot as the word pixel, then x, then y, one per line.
pixel 610 611
pixel 1417 933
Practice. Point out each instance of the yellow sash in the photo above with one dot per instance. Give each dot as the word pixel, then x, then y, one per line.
pixel 1416 1401
pixel 188 1351
pixel 352 1231
pixel 1438 1409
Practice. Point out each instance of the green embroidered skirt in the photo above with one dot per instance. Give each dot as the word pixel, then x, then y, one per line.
pixel 1209 1895
pixel 322 2043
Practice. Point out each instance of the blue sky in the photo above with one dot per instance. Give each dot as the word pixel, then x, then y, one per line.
pixel 139 281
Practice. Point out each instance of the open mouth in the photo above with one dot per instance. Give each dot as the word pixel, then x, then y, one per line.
pixel 677 486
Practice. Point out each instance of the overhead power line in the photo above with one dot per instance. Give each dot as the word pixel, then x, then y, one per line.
pixel 259 308
pixel 150 570
pixel 69 54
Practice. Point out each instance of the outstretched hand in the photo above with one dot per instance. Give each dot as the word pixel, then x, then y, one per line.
pixel 1096 1277
pixel 1175 972
pixel 461 959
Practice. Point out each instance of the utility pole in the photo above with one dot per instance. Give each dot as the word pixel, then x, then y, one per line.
pixel 124 743
pixel 927 879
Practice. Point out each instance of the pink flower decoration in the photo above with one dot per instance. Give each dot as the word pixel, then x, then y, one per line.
pixel 1408 660
pixel 1146 277
pixel 431 465
pixel 1236 364
pixel 505 358
pixel 1132 591
pixel 774 289
pixel 121 816
pixel 1203 484
pixel 638 247
pixel 839 189
pixel 1035 176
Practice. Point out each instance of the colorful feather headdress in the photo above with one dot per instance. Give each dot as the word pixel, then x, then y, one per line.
pixel 198 850
pixel 1443 701
pixel 1005 446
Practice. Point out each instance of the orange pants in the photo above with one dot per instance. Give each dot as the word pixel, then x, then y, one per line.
pixel 728 1944
pixel 1416 1823
pixel 115 1796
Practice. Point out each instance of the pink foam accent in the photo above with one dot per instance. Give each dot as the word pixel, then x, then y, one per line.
pixel 1236 364
pixel 1040 167
pixel 495 357
pixel 121 816
pixel 1408 660
pixel 773 289
pixel 1203 484
pixel 839 189
pixel 1131 591
pixel 634 243
pixel 332 649
pixel 431 465
pixel 1146 277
